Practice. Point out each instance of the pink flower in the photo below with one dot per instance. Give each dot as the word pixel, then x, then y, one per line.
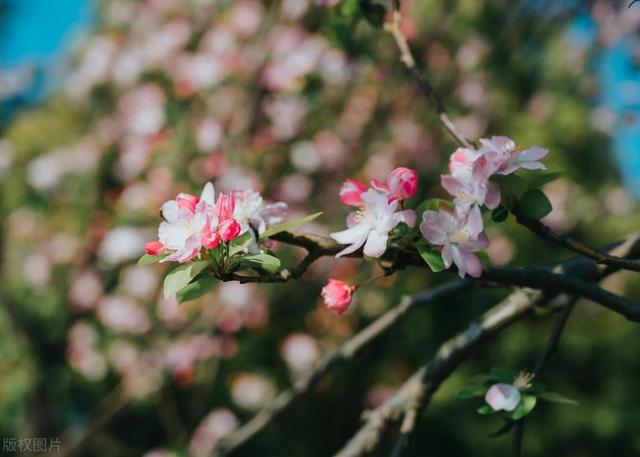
pixel 155 248
pixel 528 159
pixel 187 201
pixel 184 223
pixel 401 183
pixel 228 227
pixel 460 236
pixel 502 154
pixel 502 397
pixel 225 205
pixel 462 160
pixel 473 189
pixel 337 295
pixel 351 192
pixel 252 211
pixel 210 238
pixel 371 224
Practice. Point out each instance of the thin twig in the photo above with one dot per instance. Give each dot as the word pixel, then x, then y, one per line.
pixel 566 241
pixel 518 438
pixel 423 83
pixel 554 338
pixel 549 350
pixel 344 353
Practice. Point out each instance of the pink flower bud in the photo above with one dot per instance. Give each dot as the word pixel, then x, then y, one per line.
pixel 502 397
pixel 229 229
pixel 351 192
pixel 187 201
pixel 402 183
pixel 225 206
pixel 155 248
pixel 209 238
pixel 337 295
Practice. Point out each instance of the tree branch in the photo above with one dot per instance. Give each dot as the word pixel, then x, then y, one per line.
pixel 566 241
pixel 417 390
pixel 344 353
pixel 553 279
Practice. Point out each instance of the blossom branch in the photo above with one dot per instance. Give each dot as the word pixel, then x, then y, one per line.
pixel 344 353
pixel 417 390
pixel 423 83
pixel 414 397
pixel 553 279
pixel 534 225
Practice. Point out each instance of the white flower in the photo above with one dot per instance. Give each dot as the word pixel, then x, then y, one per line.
pixel 185 218
pixel 370 226
pixel 251 211
pixel 502 397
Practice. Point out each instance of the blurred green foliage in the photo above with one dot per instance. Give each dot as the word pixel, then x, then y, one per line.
pixel 503 68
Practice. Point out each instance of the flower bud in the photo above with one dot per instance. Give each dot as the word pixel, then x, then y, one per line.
pixel 229 229
pixel 187 201
pixel 155 248
pixel 337 295
pixel 351 192
pixel 502 397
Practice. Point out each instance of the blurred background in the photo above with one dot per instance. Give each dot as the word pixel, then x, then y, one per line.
pixel 109 108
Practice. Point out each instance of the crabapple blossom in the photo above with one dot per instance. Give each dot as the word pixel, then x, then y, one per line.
pixel 251 211
pixel 503 397
pixel 472 191
pixel 185 222
pixel 351 192
pixel 337 295
pixel 504 157
pixel 192 223
pixel 460 235
pixel 401 183
pixel 371 224
pixel 154 248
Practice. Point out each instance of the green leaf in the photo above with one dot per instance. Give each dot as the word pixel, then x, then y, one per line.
pixel 202 284
pixel 264 261
pixel 499 214
pixel 534 205
pixel 526 405
pixel 182 276
pixel 511 186
pixel 149 259
pixel 433 204
pixel 471 391
pixel 432 257
pixel 239 244
pixel 554 397
pixel 288 225
pixel 505 375
pixel 485 409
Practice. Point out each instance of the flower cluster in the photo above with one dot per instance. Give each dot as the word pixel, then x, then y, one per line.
pixel 377 212
pixel 370 225
pixel 192 223
pixel 460 231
